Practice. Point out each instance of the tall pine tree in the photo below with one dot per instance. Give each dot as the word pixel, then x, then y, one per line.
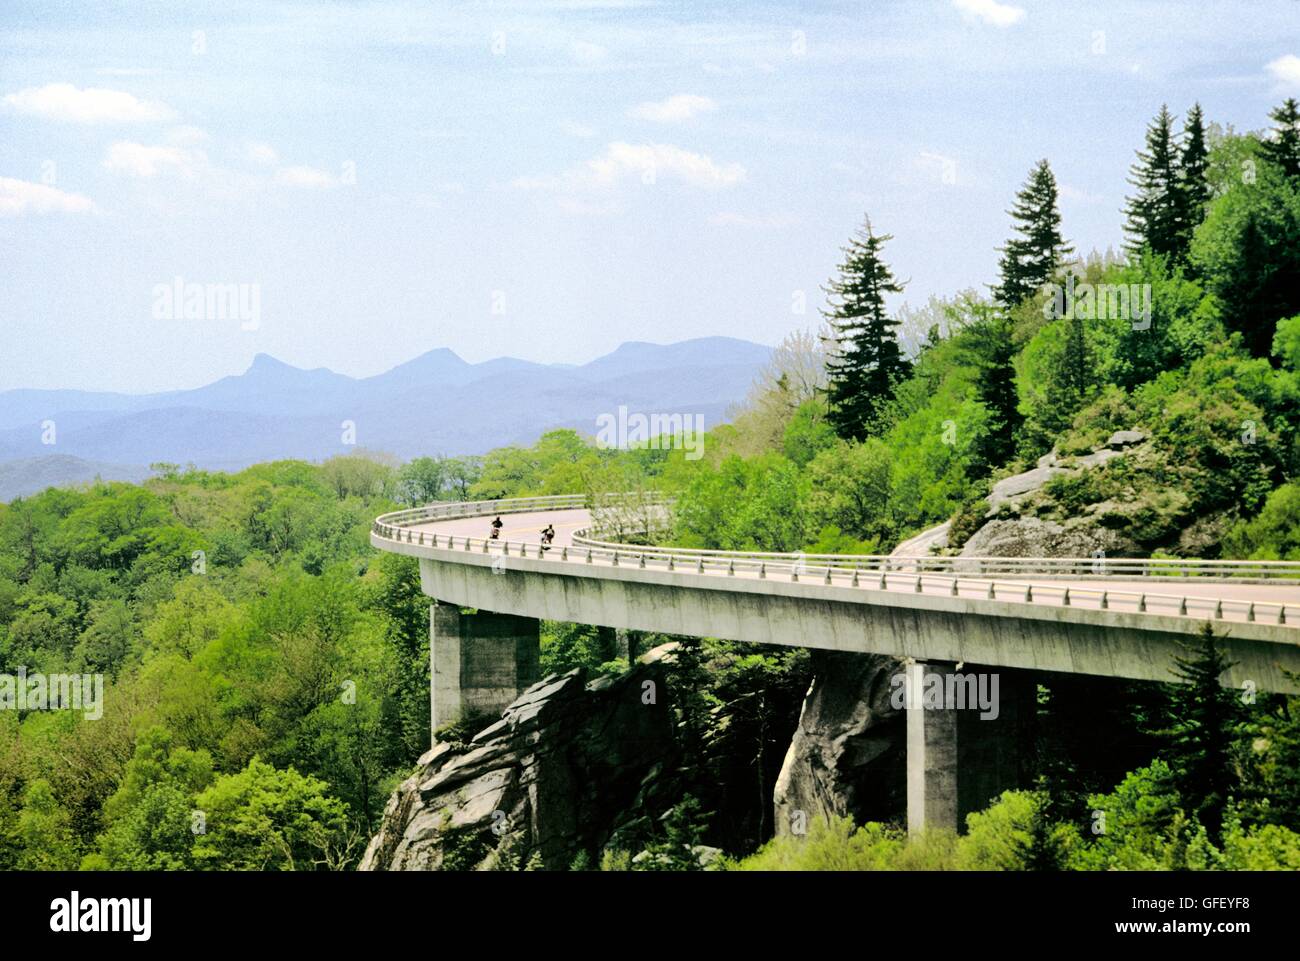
pixel 1155 213
pixel 1075 364
pixel 1207 723
pixel 867 363
pixel 1030 259
pixel 1193 178
pixel 996 390
pixel 1283 150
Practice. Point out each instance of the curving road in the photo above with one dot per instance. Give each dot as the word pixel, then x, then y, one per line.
pixel 1122 594
pixel 525 527
pixel 1111 617
pixel 970 617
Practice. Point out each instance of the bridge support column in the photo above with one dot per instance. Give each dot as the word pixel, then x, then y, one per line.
pixel 967 739
pixel 617 642
pixel 478 662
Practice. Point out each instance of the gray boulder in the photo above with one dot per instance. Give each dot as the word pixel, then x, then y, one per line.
pixel 847 756
pixel 1018 486
pixel 1037 537
pixel 557 774
pixel 1125 438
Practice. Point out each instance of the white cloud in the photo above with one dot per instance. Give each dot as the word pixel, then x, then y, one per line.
pixel 179 155
pixel 144 160
pixel 1285 70
pixel 63 101
pixel 990 11
pixel 262 153
pixel 675 109
pixel 938 166
pixel 647 162
pixel 312 178
pixel 22 197
pixel 623 159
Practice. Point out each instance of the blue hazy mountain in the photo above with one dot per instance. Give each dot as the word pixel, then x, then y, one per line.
pixel 435 403
pixel 636 357
pixel 32 474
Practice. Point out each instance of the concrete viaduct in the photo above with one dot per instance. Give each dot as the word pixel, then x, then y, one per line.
pixel 1118 618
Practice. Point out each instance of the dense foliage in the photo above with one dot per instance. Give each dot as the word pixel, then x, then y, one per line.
pixel 266 671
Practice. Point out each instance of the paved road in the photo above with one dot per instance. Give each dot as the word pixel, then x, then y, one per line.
pixel 1203 593
pixel 518 527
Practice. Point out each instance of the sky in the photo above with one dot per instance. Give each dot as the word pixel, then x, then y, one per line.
pixel 545 179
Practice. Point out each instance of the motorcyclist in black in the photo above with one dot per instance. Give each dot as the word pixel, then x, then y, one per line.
pixel 496 528
pixel 548 535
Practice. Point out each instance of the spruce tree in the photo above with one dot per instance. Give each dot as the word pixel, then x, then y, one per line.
pixel 1075 373
pixel 996 390
pixel 1031 258
pixel 1155 213
pixel 867 363
pixel 1281 768
pixel 1041 851
pixel 1193 178
pixel 1283 150
pixel 1206 724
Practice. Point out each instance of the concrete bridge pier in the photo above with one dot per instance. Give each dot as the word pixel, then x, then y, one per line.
pixel 617 642
pixel 479 662
pixel 969 733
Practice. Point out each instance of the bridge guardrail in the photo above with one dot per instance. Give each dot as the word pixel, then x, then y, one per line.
pixel 1108 568
pixel 880 572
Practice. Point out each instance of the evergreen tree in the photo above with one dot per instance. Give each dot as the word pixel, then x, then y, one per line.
pixel 1155 213
pixel 1090 732
pixel 1247 254
pixel 1076 360
pixel 1194 182
pixel 683 831
pixel 996 390
pixel 1283 150
pixel 1041 852
pixel 1030 259
pixel 1279 773
pixel 1206 723
pixel 868 363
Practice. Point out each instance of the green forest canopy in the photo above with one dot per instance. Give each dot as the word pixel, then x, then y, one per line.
pixel 267 670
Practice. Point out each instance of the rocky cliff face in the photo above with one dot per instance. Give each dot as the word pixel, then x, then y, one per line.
pixel 1025 520
pixel 847 755
pixel 568 762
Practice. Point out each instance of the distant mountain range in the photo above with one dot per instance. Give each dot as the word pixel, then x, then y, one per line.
pixel 436 403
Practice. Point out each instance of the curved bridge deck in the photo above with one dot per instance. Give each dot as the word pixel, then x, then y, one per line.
pixel 1113 617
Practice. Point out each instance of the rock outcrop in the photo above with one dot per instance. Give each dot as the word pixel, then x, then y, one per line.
pixel 847 756
pixel 567 763
pixel 929 541
pixel 1039 537
pixel 1022 520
